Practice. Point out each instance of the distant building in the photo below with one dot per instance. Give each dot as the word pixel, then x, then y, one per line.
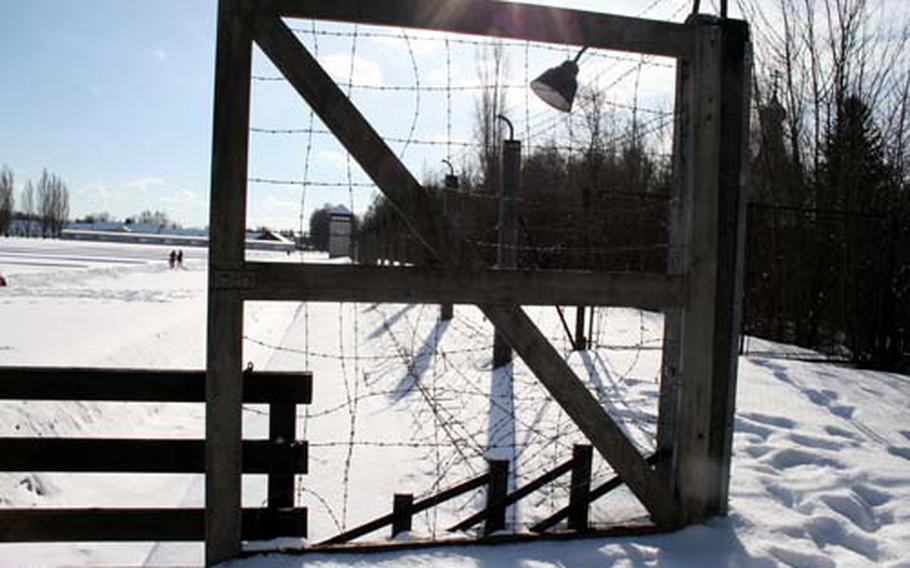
pixel 155 235
pixel 340 228
pixel 268 240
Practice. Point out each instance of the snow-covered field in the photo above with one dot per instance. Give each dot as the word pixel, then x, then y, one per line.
pixel 404 403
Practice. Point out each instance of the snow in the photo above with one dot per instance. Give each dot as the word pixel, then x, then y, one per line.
pixel 405 403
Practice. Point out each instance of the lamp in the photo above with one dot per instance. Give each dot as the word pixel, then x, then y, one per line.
pixel 557 85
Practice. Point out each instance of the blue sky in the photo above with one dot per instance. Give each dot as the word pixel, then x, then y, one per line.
pixel 115 96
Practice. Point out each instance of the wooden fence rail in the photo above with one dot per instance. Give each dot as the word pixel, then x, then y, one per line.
pixel 593 495
pixel 87 525
pixel 281 457
pixel 499 499
pixel 105 455
pixel 142 385
pixel 396 517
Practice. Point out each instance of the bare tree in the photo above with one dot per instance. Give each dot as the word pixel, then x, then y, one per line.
pixel 7 201
pixel 28 206
pixel 826 51
pixel 492 68
pixel 53 204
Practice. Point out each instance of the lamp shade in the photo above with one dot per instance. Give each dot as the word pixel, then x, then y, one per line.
pixel 556 86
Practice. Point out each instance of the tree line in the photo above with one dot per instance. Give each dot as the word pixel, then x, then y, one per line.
pixel 829 223
pixel 829 215
pixel 43 206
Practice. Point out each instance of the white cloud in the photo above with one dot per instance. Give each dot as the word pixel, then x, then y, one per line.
pixel 365 71
pixel 95 192
pixel 181 197
pixel 421 43
pixel 460 75
pixel 272 203
pixel 142 184
pixel 334 157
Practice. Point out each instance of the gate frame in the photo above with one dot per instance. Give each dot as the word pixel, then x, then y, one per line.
pixel 700 293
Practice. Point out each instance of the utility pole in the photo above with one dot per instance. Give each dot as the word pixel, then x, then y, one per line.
pixel 447 311
pixel 507 251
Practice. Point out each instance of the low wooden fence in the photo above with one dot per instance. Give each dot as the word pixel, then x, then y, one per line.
pixel 498 499
pixel 281 457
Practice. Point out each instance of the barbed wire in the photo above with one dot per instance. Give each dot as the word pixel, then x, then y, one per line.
pixel 444 432
pixel 460 40
pixel 418 88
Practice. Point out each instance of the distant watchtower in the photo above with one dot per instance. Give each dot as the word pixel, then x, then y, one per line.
pixel 340 231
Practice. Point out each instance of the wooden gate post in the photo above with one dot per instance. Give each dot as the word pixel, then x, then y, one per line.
pixel 580 487
pixel 712 153
pixel 507 252
pixel 497 489
pixel 227 221
pixel 447 310
pixel 282 434
pixel 402 511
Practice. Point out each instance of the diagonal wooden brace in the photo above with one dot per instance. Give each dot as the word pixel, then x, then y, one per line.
pixel 415 204
pixel 417 208
pixel 567 389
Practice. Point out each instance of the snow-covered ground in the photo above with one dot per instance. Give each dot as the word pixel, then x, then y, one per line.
pixel 404 403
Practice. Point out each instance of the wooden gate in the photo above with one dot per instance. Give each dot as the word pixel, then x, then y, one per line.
pixel 699 293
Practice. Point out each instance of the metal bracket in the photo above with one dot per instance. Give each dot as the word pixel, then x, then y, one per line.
pixel 234 280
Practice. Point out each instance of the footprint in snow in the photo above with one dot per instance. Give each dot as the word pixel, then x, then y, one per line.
pixel 758 450
pixel 842 433
pixel 899 452
pixel 744 426
pixel 778 421
pixel 854 509
pixel 870 495
pixel 828 399
pixel 799 559
pixel 816 442
pixel 789 458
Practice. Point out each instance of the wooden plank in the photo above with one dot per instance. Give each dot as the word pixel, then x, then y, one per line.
pixel 143 385
pixel 402 512
pixel 364 283
pixel 517 495
pixel 417 507
pixel 503 19
pixel 699 350
pixel 141 456
pixel 223 427
pixel 671 354
pixel 734 188
pixel 613 483
pixel 282 431
pixel 580 488
pixel 497 488
pixel 636 527
pixel 507 246
pixel 359 138
pixel 227 221
pixel 410 198
pixel 95 525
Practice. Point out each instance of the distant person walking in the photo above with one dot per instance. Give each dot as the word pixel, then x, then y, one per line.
pixel 172 259
pixel 180 258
